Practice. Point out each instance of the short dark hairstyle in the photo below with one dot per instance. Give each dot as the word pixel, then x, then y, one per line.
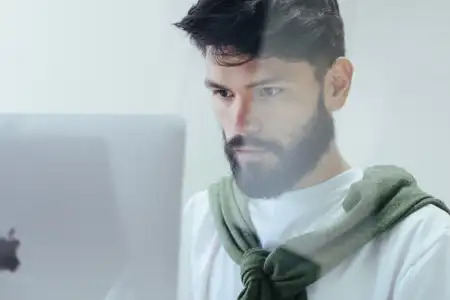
pixel 310 30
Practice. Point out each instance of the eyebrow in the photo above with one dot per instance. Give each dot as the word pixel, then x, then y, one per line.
pixel 265 81
pixel 214 85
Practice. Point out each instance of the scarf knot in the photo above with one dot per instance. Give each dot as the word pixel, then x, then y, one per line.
pixel 256 280
pixel 252 266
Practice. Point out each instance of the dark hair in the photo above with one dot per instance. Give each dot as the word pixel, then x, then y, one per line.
pixel 310 30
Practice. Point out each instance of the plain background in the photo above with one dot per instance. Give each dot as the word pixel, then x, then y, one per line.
pixel 99 56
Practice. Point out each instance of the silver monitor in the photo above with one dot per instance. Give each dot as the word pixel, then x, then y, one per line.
pixel 91 197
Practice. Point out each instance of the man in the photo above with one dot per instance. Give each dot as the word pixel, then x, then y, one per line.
pixel 295 221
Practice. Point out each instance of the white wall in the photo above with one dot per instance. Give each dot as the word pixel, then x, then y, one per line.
pixel 398 109
pixel 83 56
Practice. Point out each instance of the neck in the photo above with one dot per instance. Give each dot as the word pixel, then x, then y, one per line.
pixel 330 165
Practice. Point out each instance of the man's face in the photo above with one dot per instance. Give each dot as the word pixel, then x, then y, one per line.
pixel 274 121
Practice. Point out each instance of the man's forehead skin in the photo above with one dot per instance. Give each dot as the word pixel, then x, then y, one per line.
pixel 258 69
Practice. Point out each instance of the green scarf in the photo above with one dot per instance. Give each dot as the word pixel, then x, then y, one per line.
pixel 385 196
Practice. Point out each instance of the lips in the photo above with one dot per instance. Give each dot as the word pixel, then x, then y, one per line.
pixel 249 150
pixel 249 154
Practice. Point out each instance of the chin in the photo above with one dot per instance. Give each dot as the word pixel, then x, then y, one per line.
pixel 258 190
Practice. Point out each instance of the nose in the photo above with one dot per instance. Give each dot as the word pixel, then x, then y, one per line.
pixel 246 119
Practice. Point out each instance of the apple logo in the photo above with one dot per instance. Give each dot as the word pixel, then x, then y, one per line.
pixel 8 252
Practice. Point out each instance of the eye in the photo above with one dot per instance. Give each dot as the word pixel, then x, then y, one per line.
pixel 225 94
pixel 267 92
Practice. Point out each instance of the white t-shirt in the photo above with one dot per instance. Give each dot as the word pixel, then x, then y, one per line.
pixel 410 262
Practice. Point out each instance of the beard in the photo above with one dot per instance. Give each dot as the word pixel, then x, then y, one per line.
pixel 294 162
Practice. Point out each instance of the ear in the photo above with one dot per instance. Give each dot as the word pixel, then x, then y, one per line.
pixel 337 84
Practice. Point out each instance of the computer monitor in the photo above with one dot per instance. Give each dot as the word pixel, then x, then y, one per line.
pixel 91 197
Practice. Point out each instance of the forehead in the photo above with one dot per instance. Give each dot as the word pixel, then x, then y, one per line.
pixel 218 71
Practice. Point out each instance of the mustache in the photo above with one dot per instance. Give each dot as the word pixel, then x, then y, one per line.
pixel 251 141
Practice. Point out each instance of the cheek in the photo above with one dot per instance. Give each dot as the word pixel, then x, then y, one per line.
pixel 223 116
pixel 286 123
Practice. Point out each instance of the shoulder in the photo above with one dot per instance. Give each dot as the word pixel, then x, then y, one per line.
pixel 426 226
pixel 197 207
pixel 424 255
pixel 197 234
pixel 425 232
pixel 197 210
pixel 198 224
